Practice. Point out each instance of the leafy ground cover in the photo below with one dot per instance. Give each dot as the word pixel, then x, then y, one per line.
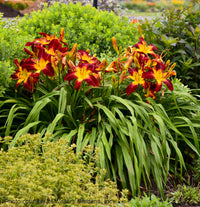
pixel 123 101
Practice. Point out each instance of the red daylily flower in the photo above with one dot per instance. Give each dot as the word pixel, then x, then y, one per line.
pixel 54 46
pixel 142 47
pixel 81 73
pixel 136 76
pixel 22 74
pixel 85 58
pixel 43 63
pixel 151 90
pixel 161 77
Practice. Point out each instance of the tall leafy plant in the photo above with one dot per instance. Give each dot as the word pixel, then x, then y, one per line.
pixel 87 101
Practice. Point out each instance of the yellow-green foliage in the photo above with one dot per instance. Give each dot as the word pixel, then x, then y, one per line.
pixel 37 172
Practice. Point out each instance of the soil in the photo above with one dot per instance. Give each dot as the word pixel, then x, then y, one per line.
pixel 9 12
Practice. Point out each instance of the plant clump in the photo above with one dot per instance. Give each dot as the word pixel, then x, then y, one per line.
pixel 38 172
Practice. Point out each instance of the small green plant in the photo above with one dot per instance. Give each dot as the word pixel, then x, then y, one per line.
pixel 186 194
pixel 39 172
pixel 146 201
pixel 84 25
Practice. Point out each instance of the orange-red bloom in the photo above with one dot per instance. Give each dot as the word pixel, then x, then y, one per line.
pixel 161 76
pixel 90 61
pixel 43 63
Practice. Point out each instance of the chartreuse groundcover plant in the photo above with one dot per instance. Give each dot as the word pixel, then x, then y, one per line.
pixel 39 172
pixel 74 95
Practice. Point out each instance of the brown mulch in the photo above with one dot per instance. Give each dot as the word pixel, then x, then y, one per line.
pixel 9 12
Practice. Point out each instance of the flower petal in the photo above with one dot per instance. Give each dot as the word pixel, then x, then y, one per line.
pixel 77 84
pixel 169 84
pixel 131 88
pixel 91 81
pixel 70 76
pixel 148 75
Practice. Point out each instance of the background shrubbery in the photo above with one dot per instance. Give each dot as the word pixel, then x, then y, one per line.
pixel 86 26
pixel 178 31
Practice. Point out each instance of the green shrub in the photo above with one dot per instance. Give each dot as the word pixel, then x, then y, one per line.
pixel 38 172
pixel 178 31
pixel 84 25
pixel 6 70
pixel 12 41
pixel 146 201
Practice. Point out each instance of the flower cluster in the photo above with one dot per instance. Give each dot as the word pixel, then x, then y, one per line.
pixel 144 67
pixel 51 56
pixel 137 65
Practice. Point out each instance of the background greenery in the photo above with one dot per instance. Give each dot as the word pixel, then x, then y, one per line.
pixel 178 31
pixel 84 25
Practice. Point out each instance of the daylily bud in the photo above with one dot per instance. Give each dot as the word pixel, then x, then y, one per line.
pixel 114 43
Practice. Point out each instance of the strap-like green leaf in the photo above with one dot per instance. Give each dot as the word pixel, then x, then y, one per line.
pixel 34 113
pixel 81 130
pixel 22 132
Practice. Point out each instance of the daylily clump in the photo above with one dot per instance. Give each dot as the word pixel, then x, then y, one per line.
pixel 137 65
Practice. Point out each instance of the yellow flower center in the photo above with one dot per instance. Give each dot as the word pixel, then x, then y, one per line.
pixel 24 74
pixel 145 49
pixel 159 75
pixel 41 64
pixel 137 77
pixel 87 58
pixel 82 73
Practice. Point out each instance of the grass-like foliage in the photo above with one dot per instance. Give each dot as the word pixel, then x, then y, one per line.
pixel 84 25
pixel 39 172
